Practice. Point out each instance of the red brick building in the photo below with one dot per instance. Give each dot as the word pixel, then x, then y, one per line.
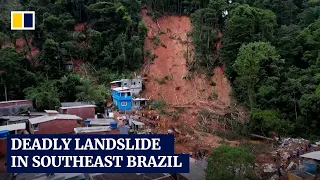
pixel 53 123
pixel 83 111
pixel 12 107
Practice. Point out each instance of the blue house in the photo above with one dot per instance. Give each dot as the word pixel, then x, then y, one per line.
pixel 122 98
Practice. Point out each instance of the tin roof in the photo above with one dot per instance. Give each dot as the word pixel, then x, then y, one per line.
pixel 51 111
pixel 4 102
pixel 313 155
pixel 92 129
pixel 42 119
pixel 14 118
pixel 101 121
pixel 13 127
pixel 81 106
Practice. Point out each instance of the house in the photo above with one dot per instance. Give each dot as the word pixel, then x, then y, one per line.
pixel 53 123
pixel 138 103
pixel 9 108
pixel 83 111
pixel 3 142
pixel 131 176
pixel 135 85
pixel 122 98
pixel 14 124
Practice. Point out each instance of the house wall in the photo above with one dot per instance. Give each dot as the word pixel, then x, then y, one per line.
pixel 135 105
pixel 57 126
pixel 3 146
pixel 83 112
pixel 128 107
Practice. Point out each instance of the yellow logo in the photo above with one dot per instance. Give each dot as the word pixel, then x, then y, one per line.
pixel 22 20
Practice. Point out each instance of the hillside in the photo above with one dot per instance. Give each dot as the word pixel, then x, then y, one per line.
pixel 193 93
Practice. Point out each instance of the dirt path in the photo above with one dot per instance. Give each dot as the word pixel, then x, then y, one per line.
pixel 194 93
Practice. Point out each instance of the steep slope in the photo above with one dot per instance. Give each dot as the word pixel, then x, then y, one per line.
pixel 168 78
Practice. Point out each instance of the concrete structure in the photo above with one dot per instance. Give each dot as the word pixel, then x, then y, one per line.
pixel 197 171
pixel 83 111
pixel 53 124
pixel 122 98
pixel 135 85
pixel 131 176
pixel 138 103
pixel 7 120
pixel 9 108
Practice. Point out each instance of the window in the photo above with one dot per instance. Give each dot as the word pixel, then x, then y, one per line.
pixel 123 103
pixel 36 127
pixel 134 83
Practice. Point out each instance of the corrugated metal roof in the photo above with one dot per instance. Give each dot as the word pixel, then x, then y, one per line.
pixel 13 127
pixel 100 121
pixel 4 102
pixel 51 111
pixel 14 118
pixel 42 119
pixel 92 129
pixel 313 155
pixel 82 106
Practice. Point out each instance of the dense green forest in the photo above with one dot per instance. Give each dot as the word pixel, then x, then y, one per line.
pixel 271 50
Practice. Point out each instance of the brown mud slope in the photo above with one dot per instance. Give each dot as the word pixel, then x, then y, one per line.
pixel 192 94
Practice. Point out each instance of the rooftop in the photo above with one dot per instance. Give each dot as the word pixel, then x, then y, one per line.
pixel 115 82
pixel 130 176
pixel 4 102
pixel 51 111
pixel 42 119
pixel 56 176
pixel 137 123
pixel 100 121
pixel 14 118
pixel 140 99
pixel 120 88
pixel 81 106
pixel 78 103
pixel 313 155
pixel 197 170
pixel 13 127
pixel 92 129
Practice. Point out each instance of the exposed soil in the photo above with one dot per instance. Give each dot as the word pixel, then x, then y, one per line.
pixel 174 49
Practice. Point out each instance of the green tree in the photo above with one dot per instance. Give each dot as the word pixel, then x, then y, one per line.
pixel 253 59
pixel 67 87
pixel 45 95
pixel 226 163
pixel 245 24
pixel 89 92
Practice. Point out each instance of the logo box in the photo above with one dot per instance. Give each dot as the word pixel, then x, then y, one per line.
pixel 22 20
